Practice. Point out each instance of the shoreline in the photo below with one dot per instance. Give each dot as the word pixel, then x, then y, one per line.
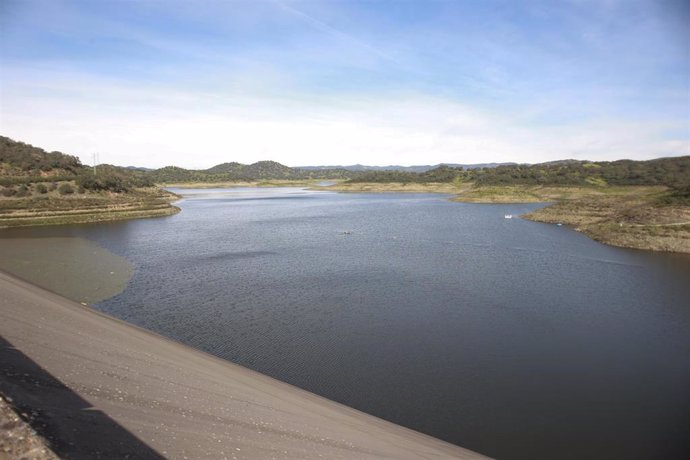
pixel 167 398
pixel 85 217
pixel 619 228
pixel 394 187
pixel 622 216
pixel 95 207
pixel 265 183
pixel 630 216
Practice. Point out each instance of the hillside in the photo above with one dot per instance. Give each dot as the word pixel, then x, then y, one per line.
pixel 413 169
pixel 671 172
pixel 237 172
pixel 18 158
pixel 640 204
pixel 45 188
pixel 636 204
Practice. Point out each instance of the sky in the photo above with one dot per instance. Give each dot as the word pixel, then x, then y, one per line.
pixel 378 82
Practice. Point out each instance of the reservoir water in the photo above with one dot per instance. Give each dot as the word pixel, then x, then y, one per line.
pixel 516 339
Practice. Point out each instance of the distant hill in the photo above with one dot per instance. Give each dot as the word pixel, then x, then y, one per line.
pixel 672 172
pixel 413 169
pixel 23 163
pixel 261 169
pixel 138 168
pixel 231 172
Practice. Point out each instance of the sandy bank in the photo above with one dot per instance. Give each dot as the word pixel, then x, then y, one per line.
pixel 101 386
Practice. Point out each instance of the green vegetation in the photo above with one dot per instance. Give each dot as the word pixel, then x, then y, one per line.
pixel 641 204
pixel 31 160
pixel 112 178
pixel 52 208
pixel 679 196
pixel 671 172
pixel 22 191
pixel 637 204
pixel 236 172
pixel 45 188
pixel 442 174
pixel 65 189
pixel 8 191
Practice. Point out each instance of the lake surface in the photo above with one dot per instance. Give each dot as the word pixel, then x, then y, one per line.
pixel 516 339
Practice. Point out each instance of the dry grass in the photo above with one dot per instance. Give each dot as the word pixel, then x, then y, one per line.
pixel 542 194
pixel 632 219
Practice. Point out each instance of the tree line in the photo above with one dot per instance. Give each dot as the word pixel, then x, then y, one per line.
pixel 672 172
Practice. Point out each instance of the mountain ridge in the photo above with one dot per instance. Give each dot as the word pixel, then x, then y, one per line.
pixel 414 168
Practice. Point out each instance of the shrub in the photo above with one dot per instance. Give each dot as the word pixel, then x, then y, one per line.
pixel 22 191
pixel 9 191
pixel 65 189
pixel 81 189
pixel 53 186
pixel 110 179
pixel 41 188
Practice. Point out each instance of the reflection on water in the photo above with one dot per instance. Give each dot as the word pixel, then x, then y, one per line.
pixel 509 337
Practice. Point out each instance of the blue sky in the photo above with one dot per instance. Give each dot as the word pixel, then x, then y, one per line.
pixel 195 83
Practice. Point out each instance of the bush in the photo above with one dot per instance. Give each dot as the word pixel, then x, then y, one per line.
pixel 81 190
pixel 41 188
pixel 105 181
pixel 53 186
pixel 65 189
pixel 22 191
pixel 9 191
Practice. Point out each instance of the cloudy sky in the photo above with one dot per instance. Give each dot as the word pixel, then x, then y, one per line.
pixel 196 83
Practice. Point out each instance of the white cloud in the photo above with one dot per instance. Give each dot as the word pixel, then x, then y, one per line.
pixel 155 126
